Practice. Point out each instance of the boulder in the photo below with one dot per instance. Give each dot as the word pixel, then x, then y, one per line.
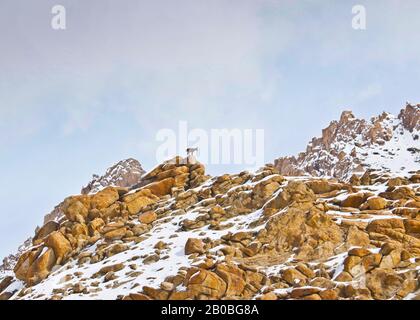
pixel 268 296
pixel 79 229
pixel 7 281
pixel 76 208
pixel 293 277
pixel 383 283
pixel 359 252
pixel 396 193
pixel 412 225
pixel 46 229
pixel 95 226
pixel 233 277
pixel 61 246
pixel 301 292
pixel 376 203
pixel 115 234
pixel 357 237
pixel 354 200
pixel 162 187
pixel 310 234
pixel 148 217
pixel 41 267
pixel 371 261
pixel 138 296
pixel 381 225
pixel 352 265
pixel 104 198
pixel 328 294
pixel 322 186
pixel 25 261
pixel 194 245
pixel 295 192
pixel 207 283
pixel 139 200
pixel 170 173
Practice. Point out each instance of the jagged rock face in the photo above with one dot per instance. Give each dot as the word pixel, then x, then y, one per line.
pixel 410 117
pixel 177 233
pixel 9 262
pixel 353 145
pixel 125 173
pixel 181 234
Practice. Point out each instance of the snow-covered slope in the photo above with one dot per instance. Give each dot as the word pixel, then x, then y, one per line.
pixel 350 146
pixel 125 173
pixel 257 235
pixel 281 232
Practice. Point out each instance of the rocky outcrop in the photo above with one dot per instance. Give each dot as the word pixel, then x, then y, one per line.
pixel 410 117
pixel 180 234
pixel 125 173
pixel 351 146
pixel 177 233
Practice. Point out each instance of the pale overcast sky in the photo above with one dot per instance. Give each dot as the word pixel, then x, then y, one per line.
pixel 75 101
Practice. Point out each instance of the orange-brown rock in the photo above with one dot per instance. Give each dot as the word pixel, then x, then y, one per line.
pixel 233 277
pixel 359 252
pixel 61 246
pixel 301 292
pixel 104 198
pixel 139 200
pixel 412 225
pixel 371 261
pixel 79 229
pixel 170 173
pixel 25 261
pixel 45 230
pixel 381 225
pixel 352 265
pixel 194 245
pixel 156 294
pixel 5 282
pixel 322 186
pixel 95 225
pixel 396 193
pixel 115 234
pixel 148 217
pixel 312 232
pixel 295 192
pixel 328 294
pixel 268 296
pixel 376 203
pixel 383 284
pixel 293 277
pixel 76 208
pixel 354 200
pixel 41 267
pixel 207 283
pixel 138 296
pixel 162 187
pixel 357 237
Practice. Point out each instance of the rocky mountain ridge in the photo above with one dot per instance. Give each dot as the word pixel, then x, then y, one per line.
pixel 186 235
pixel 125 173
pixel 351 146
pixel 178 233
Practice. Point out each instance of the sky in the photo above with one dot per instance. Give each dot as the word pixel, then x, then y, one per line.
pixel 75 101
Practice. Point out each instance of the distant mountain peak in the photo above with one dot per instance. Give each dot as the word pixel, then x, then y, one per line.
pixel 351 145
pixel 124 173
